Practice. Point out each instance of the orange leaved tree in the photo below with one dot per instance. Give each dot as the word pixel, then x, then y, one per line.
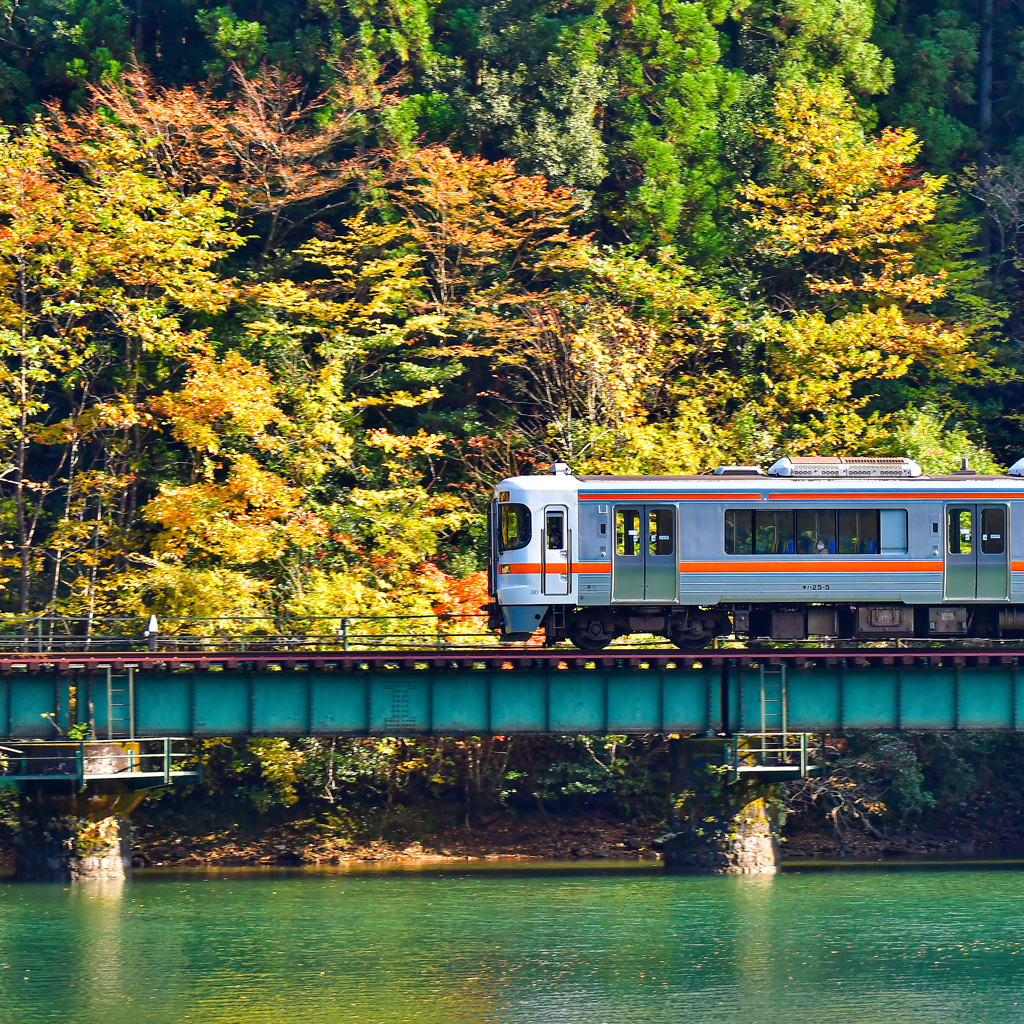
pixel 101 279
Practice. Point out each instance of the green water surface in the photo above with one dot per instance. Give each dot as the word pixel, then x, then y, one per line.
pixel 850 946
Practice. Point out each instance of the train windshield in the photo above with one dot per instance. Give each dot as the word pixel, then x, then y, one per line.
pixel 516 529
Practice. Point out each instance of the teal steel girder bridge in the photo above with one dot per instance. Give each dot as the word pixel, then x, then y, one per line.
pixel 480 692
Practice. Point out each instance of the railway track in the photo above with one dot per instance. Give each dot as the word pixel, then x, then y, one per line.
pixel 502 658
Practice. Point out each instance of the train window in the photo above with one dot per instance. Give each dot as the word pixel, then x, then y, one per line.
pixel 627 531
pixel 893 531
pixel 858 532
pixel 993 531
pixel 773 533
pixel 960 531
pixel 816 532
pixel 659 531
pixel 739 531
pixel 516 528
pixel 554 531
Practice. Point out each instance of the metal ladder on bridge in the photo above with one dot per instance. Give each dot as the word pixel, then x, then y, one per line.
pixel 773 700
pixel 121 705
pixel 774 751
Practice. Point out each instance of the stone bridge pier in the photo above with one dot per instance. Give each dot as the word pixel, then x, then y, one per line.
pixel 73 836
pixel 718 826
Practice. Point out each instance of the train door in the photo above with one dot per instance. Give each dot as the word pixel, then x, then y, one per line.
pixel 628 555
pixel 661 566
pixel 554 570
pixel 977 553
pixel 644 561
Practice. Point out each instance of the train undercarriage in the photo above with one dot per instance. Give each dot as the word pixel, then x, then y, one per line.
pixel 693 628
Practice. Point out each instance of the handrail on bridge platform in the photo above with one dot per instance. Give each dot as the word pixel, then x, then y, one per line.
pixel 139 763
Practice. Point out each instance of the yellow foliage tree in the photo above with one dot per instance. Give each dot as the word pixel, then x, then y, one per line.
pixel 850 306
pixel 101 274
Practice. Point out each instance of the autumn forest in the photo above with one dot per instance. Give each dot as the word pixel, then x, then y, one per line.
pixel 285 287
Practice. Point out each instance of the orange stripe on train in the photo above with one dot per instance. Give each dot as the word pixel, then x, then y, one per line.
pixel 533 568
pixel 822 566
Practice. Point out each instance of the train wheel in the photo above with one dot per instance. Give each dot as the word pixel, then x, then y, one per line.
pixel 693 637
pixel 590 634
pixel 692 643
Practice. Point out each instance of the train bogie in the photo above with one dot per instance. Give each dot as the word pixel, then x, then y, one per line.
pixel 862 548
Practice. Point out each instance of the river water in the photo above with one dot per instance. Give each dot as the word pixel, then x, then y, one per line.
pixel 522 947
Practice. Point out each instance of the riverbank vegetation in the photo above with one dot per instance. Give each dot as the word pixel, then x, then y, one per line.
pixel 285 287
pixel 314 801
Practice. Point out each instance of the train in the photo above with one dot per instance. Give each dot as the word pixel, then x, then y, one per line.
pixel 862 548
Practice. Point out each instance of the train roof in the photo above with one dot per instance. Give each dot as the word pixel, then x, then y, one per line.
pixel 729 482
pixel 761 480
pixel 937 487
pixel 811 475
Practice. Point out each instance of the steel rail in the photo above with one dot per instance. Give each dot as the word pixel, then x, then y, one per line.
pixel 498 658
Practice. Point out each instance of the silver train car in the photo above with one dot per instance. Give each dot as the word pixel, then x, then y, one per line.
pixel 864 548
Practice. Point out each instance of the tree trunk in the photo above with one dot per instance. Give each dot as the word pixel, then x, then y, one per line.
pixel 985 86
pixel 19 496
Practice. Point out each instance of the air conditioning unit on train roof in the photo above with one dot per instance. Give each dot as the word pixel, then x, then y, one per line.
pixel 739 471
pixel 831 467
pixel 1017 469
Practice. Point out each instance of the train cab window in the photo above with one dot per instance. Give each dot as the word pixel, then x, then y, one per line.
pixel 773 533
pixel 858 532
pixel 554 531
pixel 960 531
pixel 816 532
pixel 627 531
pixel 516 527
pixel 659 531
pixel 993 531
pixel 739 531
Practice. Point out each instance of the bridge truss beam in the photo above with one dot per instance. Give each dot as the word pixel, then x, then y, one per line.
pixel 497 692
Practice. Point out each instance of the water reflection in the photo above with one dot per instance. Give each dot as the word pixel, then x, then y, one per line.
pixel 540 948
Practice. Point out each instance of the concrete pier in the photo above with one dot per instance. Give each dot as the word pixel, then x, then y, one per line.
pixel 74 838
pixel 718 826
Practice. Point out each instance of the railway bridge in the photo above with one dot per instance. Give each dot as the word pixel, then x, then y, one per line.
pixel 131 695
pixel 99 727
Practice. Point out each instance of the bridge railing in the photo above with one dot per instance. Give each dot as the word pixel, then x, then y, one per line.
pixel 45 634
pixel 160 761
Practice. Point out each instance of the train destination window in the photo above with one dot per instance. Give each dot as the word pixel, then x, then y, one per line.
pixel 893 531
pixel 993 531
pixel 739 531
pixel 627 532
pixel 554 531
pixel 516 528
pixel 960 531
pixel 659 530
pixel 816 532
pixel 858 532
